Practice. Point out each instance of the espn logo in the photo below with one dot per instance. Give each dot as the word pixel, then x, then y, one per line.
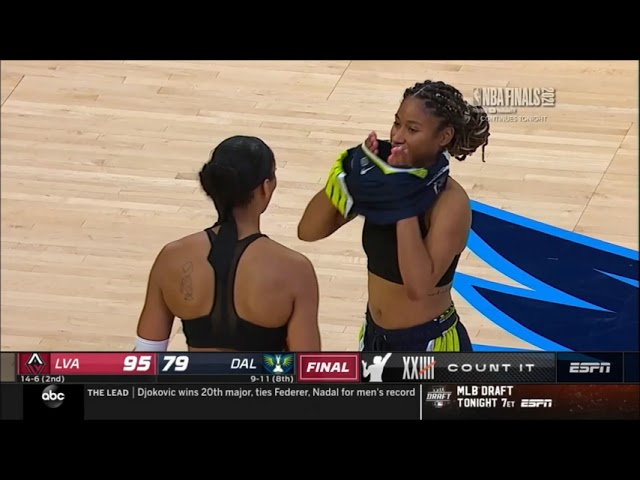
pixel 536 403
pixel 589 367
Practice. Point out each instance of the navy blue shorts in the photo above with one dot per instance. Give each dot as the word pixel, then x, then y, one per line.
pixel 444 333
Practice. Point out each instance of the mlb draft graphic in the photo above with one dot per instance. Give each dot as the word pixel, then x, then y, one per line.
pixel 438 397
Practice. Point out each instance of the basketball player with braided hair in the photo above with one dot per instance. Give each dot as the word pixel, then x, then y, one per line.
pixel 234 288
pixel 411 262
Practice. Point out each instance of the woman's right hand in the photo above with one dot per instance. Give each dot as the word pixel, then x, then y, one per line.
pixel 372 143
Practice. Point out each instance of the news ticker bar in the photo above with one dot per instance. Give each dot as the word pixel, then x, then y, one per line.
pixel 324 402
pixel 480 367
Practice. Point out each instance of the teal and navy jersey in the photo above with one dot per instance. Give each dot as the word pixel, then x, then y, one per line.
pixel 385 194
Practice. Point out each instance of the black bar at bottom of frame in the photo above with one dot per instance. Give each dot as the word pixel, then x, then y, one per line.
pixel 224 402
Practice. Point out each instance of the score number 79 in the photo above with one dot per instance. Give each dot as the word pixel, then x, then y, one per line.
pixel 142 363
pixel 176 363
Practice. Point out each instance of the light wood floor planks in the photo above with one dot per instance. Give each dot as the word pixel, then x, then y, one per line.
pixel 99 161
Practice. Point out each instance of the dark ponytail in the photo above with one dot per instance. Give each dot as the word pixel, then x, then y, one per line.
pixel 220 183
pixel 236 168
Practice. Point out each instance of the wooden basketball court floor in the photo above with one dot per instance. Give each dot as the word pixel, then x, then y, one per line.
pixel 99 163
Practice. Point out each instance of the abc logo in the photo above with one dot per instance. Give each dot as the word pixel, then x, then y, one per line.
pixel 52 397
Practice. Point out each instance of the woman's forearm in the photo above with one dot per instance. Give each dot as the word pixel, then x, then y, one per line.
pixel 320 219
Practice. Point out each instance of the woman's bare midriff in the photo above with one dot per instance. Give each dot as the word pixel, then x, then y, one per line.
pixel 392 309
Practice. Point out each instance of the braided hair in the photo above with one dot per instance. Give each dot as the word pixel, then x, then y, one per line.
pixel 470 123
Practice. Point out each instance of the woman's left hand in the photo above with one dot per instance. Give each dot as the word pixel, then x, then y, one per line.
pixel 399 157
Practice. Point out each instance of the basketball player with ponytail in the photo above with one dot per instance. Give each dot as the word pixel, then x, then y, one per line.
pixel 233 288
pixel 413 259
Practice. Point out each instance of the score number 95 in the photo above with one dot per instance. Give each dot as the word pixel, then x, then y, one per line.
pixel 142 363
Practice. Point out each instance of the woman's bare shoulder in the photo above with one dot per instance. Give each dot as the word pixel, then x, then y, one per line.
pixel 281 253
pixel 454 194
pixel 453 200
pixel 455 188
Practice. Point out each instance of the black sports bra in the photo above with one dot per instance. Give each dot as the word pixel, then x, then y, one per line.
pixel 223 327
pixel 380 243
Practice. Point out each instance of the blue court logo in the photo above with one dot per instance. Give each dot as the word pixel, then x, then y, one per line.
pixel 577 293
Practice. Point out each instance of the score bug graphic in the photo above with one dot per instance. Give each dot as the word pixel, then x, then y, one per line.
pixel 278 363
pixel 226 366
pixel 174 363
pixel 137 363
pixel 144 363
